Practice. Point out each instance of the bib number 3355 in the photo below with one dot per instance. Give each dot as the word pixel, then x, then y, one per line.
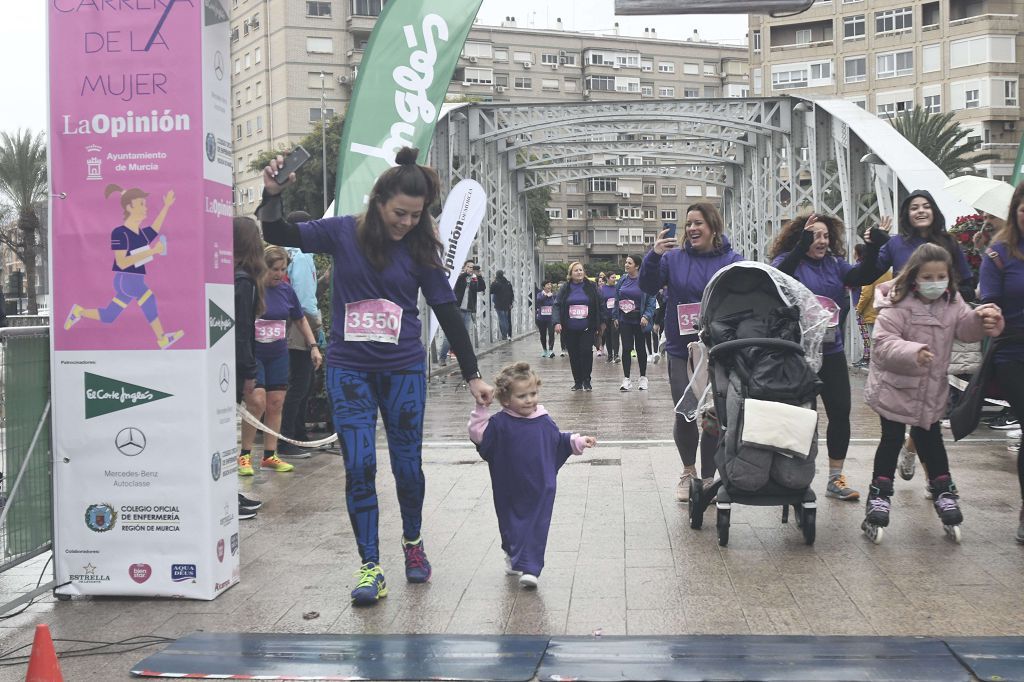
pixel 373 320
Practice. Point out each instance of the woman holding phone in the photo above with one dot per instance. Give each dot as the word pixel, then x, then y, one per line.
pixel 375 357
pixel 684 272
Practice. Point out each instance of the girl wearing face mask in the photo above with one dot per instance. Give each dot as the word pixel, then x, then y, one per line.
pixel 810 249
pixel 919 315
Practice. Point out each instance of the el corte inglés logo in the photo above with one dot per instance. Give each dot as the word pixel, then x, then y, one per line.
pixel 220 323
pixel 104 395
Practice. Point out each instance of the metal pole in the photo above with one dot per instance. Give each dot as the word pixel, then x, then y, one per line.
pixel 323 136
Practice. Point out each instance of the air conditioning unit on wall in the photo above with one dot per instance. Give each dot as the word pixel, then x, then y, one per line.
pixel 473 60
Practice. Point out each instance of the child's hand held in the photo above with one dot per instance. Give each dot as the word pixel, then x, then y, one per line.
pixel 590 441
pixel 925 357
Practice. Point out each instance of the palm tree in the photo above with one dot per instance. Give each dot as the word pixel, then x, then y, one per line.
pixel 23 185
pixel 942 140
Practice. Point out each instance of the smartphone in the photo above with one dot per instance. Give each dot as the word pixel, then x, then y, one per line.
pixel 292 163
pixel 671 227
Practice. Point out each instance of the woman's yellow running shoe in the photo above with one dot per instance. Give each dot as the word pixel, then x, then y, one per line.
pixel 277 464
pixel 245 465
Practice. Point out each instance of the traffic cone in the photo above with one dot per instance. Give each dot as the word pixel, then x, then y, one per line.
pixel 42 664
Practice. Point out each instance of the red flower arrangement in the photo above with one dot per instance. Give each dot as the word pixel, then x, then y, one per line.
pixel 963 231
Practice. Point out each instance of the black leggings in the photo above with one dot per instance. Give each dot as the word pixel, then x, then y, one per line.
pixel 929 447
pixel 1011 379
pixel 632 338
pixel 651 341
pixel 547 334
pixel 835 394
pixel 580 345
pixel 686 433
pixel 611 339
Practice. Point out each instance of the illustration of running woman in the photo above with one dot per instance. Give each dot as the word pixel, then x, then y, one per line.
pixel 133 246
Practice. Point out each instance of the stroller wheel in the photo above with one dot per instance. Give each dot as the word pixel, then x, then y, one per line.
pixel 723 527
pixel 808 525
pixel 696 505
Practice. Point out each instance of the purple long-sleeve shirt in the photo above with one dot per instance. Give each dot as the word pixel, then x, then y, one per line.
pixel 685 272
pixel 1005 288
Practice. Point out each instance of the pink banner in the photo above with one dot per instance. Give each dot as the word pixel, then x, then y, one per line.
pixel 139 230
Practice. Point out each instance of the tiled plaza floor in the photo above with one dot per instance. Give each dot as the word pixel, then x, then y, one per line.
pixel 621 556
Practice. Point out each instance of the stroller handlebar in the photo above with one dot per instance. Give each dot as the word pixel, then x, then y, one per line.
pixel 739 344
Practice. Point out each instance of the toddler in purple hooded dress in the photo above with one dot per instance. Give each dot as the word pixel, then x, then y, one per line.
pixel 524 450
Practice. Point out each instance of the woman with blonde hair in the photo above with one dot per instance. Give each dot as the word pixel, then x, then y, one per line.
pixel 576 313
pixel 280 305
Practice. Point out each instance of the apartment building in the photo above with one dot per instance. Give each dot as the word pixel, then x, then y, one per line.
pixel 296 60
pixel 889 55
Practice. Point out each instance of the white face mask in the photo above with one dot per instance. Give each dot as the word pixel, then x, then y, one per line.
pixel 933 290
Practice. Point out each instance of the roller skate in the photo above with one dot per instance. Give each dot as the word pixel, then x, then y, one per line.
pixel 945 494
pixel 878 507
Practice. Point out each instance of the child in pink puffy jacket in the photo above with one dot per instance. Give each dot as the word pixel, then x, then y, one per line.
pixel 919 315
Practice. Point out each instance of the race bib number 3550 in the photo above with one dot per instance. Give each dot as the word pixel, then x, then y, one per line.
pixel 374 319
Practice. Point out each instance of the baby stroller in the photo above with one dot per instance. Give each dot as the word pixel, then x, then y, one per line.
pixel 763 332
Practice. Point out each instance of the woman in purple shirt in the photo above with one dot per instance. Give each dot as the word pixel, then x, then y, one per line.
pixel 1002 282
pixel 810 249
pixel 544 305
pixel 576 314
pixel 272 367
pixel 634 315
pixel 685 272
pixel 375 358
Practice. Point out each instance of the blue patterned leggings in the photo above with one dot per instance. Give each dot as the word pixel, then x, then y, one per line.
pixel 399 396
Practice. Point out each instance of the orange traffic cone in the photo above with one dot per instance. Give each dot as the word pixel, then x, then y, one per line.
pixel 42 664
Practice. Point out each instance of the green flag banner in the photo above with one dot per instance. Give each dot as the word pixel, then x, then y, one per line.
pixel 1018 168
pixel 403 78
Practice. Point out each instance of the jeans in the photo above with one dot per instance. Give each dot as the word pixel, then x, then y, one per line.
pixel 467 319
pixel 505 323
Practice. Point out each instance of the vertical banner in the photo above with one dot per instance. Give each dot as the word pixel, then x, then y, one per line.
pixel 143 300
pixel 463 212
pixel 403 77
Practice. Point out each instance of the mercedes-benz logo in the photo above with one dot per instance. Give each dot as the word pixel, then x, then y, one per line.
pixel 225 378
pixel 130 441
pixel 218 65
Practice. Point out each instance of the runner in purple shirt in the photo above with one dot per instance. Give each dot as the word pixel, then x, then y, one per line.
pixel 272 361
pixel 1002 283
pixel 686 271
pixel 810 249
pixel 376 360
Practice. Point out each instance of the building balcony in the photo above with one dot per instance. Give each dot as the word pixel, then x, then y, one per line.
pixel 802 46
pixel 989 23
pixel 361 23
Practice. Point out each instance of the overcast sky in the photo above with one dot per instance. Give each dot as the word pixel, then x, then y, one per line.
pixel 23 41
